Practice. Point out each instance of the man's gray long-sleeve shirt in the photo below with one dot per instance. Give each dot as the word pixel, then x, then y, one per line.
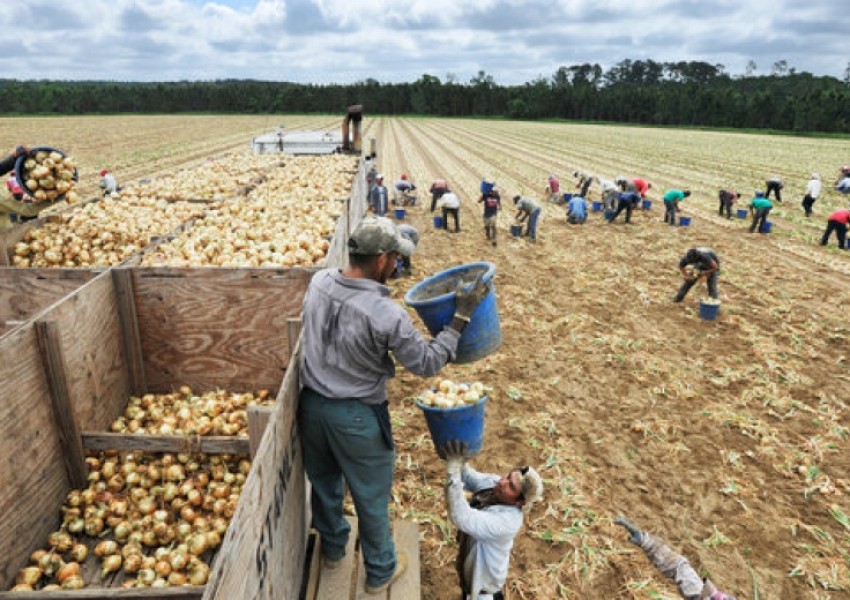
pixel 349 327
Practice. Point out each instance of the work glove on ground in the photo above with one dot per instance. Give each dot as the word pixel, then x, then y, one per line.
pixel 455 456
pixel 468 297
pixel 635 534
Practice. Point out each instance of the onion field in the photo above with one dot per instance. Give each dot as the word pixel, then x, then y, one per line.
pixel 730 439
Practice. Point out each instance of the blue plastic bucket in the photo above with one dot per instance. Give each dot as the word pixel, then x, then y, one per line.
pixel 708 311
pixel 438 222
pixel 684 221
pixel 434 301
pixel 766 227
pixel 399 214
pixel 742 213
pixel 486 186
pixel 516 230
pixel 568 197
pixel 461 424
pixel 646 205
pixel 596 206
pixel 609 214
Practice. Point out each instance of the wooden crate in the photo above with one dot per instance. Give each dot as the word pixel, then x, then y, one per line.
pixel 68 374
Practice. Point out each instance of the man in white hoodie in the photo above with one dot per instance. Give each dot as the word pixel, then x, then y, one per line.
pixel 812 193
pixel 488 524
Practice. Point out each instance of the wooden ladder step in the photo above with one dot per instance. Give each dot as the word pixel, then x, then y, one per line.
pixel 348 581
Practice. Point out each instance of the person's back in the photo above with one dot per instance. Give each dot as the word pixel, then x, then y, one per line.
pixel 842 215
pixel 577 209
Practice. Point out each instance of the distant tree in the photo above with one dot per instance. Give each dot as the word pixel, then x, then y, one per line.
pixel 780 68
pixel 751 68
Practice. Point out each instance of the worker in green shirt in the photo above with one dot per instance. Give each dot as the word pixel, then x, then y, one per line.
pixel 760 207
pixel 671 204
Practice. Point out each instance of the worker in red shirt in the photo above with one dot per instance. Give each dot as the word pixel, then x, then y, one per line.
pixel 837 222
pixel 641 187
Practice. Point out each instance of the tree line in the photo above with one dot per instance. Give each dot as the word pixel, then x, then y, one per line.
pixel 690 93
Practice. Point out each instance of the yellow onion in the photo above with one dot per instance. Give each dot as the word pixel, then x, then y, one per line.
pixel 133 563
pixel 197 544
pixel 66 571
pixel 79 553
pixel 75 582
pixel 106 548
pixel 110 564
pixel 23 587
pixel 199 573
pixel 146 577
pixel 162 568
pixel 176 578
pixel 29 576
pixel 60 541
pixel 37 556
pixel 178 561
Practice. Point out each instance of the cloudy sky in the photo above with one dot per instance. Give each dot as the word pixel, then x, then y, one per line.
pixel 343 41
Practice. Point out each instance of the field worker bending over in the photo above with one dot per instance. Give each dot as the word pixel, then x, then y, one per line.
pixel 492 205
pixel 438 188
pixel 449 203
pixel 703 262
pixel 625 185
pixel 727 199
pixel 837 222
pixel 760 207
pixel 641 187
pixel 812 193
pixel 527 209
pixel 585 179
pixel 10 207
pixel 408 232
pixel 379 197
pixel 775 185
pixel 350 325
pixel 609 194
pixel 671 204
pixel 108 183
pixel 673 566
pixel 553 189
pixel 843 184
pixel 403 191
pixel 625 201
pixel 577 211
pixel 488 524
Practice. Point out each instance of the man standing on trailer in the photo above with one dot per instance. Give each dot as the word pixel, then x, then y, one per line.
pixel 350 326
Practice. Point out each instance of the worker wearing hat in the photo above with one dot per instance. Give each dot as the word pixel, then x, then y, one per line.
pixel 404 189
pixel 108 183
pixel 489 522
pixel 350 326
pixel 812 193
pixel 378 197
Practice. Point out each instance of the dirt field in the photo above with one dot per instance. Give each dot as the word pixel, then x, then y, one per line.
pixel 730 439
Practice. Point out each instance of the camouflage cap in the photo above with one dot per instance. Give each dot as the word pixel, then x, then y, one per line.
pixel 378 235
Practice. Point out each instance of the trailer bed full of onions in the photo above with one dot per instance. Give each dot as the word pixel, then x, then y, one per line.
pixel 185 413
pixel 101 233
pixel 150 520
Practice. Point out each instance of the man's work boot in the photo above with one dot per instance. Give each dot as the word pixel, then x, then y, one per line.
pixel 400 568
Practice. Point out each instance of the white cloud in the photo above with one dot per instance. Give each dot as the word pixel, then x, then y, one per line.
pixel 343 41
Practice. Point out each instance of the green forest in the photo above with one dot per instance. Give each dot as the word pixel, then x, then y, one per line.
pixel 632 91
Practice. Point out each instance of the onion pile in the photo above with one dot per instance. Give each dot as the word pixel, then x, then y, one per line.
pixel 184 413
pixel 158 517
pixel 215 179
pixel 49 176
pixel 101 233
pixel 453 395
pixel 284 222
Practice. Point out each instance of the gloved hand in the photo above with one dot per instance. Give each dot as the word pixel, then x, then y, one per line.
pixel 455 457
pixel 466 299
pixel 635 534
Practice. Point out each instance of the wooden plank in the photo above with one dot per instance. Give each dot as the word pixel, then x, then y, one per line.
pixel 33 480
pixel 338 583
pixel 24 293
pixel 123 281
pixel 312 588
pixel 50 345
pixel 216 327
pixel 258 420
pixel 264 549
pixel 409 586
pixel 293 330
pixel 187 592
pixel 212 444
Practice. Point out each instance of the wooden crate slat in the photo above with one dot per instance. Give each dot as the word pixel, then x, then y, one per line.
pixel 26 292
pixel 212 444
pixel 258 420
pixel 123 281
pixel 409 586
pixel 339 582
pixel 50 345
